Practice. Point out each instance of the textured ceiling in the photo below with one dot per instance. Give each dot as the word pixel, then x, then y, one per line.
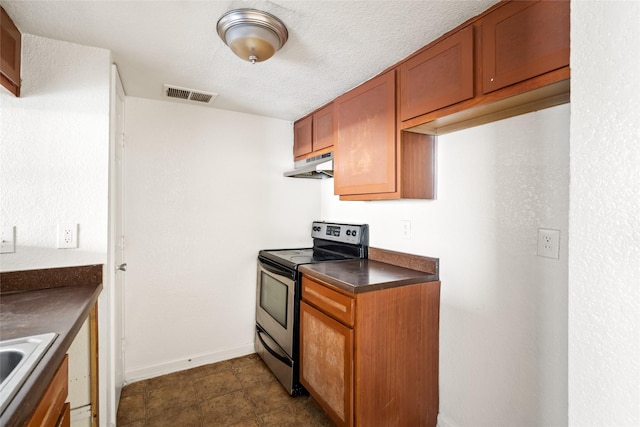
pixel 333 45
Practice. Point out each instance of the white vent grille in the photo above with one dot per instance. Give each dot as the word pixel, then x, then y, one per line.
pixel 198 96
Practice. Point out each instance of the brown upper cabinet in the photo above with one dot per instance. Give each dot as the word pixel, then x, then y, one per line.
pixel 524 39
pixel 302 137
pixel 365 151
pixel 10 51
pixel 313 134
pixel 512 59
pixel 373 159
pixel 323 128
pixel 439 76
pixel 520 57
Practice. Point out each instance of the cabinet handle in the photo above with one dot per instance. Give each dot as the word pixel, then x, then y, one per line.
pixel 122 267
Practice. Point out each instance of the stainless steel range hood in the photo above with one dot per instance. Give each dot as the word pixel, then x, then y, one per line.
pixel 317 167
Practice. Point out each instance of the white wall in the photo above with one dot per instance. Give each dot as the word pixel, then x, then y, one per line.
pixel 204 192
pixel 55 153
pixel 54 157
pixel 503 322
pixel 604 266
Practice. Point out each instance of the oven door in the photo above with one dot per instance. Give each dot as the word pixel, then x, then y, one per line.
pixel 275 293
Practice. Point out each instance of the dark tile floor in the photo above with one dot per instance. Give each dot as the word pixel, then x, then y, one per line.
pixel 240 392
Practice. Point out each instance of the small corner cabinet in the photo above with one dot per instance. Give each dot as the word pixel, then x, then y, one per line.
pixel 313 134
pixel 371 358
pixel 10 51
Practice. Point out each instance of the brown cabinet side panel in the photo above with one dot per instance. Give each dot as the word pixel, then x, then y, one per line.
pixel 326 354
pixel 65 417
pixel 418 165
pixel 440 76
pixel 10 52
pixel 524 39
pixel 396 341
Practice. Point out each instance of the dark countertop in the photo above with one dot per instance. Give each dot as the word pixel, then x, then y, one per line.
pixel 366 275
pixel 62 310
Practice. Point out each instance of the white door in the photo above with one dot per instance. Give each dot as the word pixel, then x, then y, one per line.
pixel 117 266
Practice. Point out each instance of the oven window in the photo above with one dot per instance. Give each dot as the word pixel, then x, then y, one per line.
pixel 273 298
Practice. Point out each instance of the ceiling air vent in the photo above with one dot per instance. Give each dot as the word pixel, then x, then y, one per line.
pixel 185 94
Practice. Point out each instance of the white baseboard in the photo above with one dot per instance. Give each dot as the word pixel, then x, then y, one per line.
pixel 444 421
pixel 138 374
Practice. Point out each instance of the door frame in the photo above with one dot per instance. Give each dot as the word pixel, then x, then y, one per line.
pixel 112 321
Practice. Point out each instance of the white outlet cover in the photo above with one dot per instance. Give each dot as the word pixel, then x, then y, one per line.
pixel 549 243
pixel 405 229
pixel 67 236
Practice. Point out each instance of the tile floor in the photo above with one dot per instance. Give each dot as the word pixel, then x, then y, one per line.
pixel 240 392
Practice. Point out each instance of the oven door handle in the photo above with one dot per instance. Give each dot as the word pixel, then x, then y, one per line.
pixel 271 351
pixel 274 270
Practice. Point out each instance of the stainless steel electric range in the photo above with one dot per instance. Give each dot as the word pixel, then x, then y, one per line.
pixel 278 293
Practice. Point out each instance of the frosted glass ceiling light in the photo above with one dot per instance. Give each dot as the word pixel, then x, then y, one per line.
pixel 251 34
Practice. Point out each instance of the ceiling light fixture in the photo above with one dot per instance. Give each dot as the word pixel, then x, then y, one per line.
pixel 251 34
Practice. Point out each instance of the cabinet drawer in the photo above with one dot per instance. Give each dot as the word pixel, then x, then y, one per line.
pixel 51 405
pixel 335 304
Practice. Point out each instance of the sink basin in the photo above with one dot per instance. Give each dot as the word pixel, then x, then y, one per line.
pixel 18 357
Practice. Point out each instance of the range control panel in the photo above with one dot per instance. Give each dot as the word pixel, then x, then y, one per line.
pixel 355 234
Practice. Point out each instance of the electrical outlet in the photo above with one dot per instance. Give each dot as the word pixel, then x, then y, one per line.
pixel 549 243
pixel 8 239
pixel 67 236
pixel 405 229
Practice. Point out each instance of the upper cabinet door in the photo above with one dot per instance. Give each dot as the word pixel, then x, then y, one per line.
pixel 302 136
pixel 365 150
pixel 10 51
pixel 524 39
pixel 438 77
pixel 323 128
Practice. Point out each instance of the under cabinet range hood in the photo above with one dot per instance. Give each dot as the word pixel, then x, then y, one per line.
pixel 317 167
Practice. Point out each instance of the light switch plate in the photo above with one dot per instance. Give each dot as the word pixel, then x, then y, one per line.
pixel 8 238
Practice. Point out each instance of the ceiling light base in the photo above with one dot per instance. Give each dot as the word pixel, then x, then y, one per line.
pixel 251 34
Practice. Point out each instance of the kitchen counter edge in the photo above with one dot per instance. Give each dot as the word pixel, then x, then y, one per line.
pixel 358 276
pixel 62 310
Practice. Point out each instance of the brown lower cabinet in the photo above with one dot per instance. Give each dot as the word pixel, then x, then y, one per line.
pixel 371 359
pixel 53 410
